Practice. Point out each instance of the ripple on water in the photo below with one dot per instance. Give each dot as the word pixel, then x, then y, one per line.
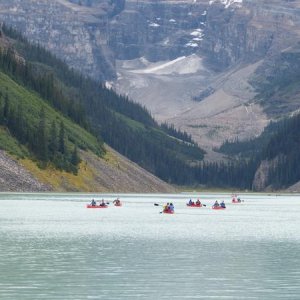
pixel 60 250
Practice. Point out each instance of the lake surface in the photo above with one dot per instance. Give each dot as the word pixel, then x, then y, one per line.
pixel 52 247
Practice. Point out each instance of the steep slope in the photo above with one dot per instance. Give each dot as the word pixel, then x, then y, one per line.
pixel 232 44
pixel 113 173
pixel 126 126
pixel 23 170
pixel 142 47
pixel 15 178
pixel 189 62
pixel 274 155
pixel 277 82
pixel 281 156
pixel 216 69
pixel 79 28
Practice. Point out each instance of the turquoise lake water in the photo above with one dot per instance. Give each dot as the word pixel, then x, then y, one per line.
pixel 52 247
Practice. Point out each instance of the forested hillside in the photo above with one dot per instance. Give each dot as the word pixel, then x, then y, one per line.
pixel 124 125
pixel 284 148
pixel 278 145
pixel 277 84
pixel 53 112
pixel 42 133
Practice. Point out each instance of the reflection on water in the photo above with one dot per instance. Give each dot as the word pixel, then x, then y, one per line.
pixel 52 247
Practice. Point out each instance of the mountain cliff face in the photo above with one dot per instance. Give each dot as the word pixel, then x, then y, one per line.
pixel 194 63
pixel 91 34
pixel 157 30
pixel 73 32
pixel 85 31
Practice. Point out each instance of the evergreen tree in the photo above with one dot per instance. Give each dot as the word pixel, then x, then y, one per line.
pixel 75 159
pixel 1 111
pixel 53 141
pixel 42 141
pixel 6 109
pixel 61 143
pixel 20 130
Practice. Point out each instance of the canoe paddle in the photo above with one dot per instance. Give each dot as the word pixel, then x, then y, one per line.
pixel 156 204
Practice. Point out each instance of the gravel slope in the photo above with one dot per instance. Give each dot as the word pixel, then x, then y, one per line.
pixel 15 178
pixel 113 174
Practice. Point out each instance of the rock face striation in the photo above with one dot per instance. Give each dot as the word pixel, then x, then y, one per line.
pixel 189 61
pixel 73 32
pixel 225 31
pixel 90 35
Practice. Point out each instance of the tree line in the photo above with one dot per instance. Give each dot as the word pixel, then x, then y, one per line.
pixel 181 135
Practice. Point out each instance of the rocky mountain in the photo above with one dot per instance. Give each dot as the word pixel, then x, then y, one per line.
pixel 73 32
pixel 43 145
pixel 209 87
pixel 218 69
pixel 190 62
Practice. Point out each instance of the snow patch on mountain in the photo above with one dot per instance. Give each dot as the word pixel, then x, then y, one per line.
pixel 191 44
pixel 197 33
pixel 152 24
pixel 197 37
pixel 181 65
pixel 226 3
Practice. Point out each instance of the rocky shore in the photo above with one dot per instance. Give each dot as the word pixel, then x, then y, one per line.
pixel 15 178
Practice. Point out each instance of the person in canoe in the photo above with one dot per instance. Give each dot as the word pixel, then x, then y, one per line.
pixel 191 202
pixel 117 202
pixel 223 204
pixel 171 207
pixel 198 202
pixel 93 203
pixel 166 206
pixel 216 204
pixel 102 203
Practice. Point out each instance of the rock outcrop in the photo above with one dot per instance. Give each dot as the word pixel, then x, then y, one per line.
pixel 91 34
pixel 74 32
pixel 15 178
pixel 260 181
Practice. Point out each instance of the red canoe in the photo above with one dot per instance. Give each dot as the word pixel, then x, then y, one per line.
pixel 218 207
pixel 96 206
pixel 194 205
pixel 120 204
pixel 168 211
pixel 236 201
